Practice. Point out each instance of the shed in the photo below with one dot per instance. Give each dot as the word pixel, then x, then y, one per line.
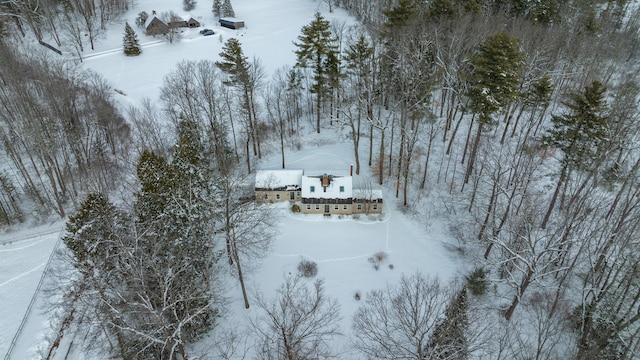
pixel 231 23
pixel 157 27
pixel 193 23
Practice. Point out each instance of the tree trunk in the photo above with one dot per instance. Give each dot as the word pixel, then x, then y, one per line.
pixel 516 299
pixel 552 204
pixel 241 277
pixel 453 134
pixel 492 199
pixel 282 145
pixel 248 156
pixel 318 100
pixel 381 159
pixel 474 153
pixel 426 162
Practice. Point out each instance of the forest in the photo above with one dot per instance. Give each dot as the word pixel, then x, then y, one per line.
pixel 518 118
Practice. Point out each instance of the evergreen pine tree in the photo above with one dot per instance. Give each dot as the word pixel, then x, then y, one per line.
pixel 130 42
pixel 493 81
pixel 97 236
pixel 217 8
pixel 580 134
pixel 240 75
pixel 227 9
pixel 88 230
pixel 188 5
pixel 495 75
pixel 141 19
pixel 448 340
pixel 443 9
pixel 175 220
pixel 399 16
pixel 234 63
pixel 316 50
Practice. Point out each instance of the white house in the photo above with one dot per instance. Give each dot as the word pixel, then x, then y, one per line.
pixel 318 194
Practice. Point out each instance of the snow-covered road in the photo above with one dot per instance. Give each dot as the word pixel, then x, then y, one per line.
pixel 23 258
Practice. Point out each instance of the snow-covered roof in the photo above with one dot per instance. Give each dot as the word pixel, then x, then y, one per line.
pixel 339 187
pixel 276 179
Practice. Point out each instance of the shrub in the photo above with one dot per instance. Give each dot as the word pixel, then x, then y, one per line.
pixel 377 259
pixel 477 281
pixel 188 5
pixel 390 266
pixel 308 268
pixel 141 19
pixel 295 208
pixel 357 296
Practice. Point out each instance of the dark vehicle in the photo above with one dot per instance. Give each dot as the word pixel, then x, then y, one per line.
pixel 206 32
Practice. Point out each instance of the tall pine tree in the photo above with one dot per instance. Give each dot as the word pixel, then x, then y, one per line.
pixel 227 9
pixel 316 50
pixel 494 77
pixel 579 133
pixel 217 8
pixel 130 42
pixel 175 223
pixel 448 340
pixel 240 75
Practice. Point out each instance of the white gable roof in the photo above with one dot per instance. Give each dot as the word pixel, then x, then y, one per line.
pixel 276 179
pixel 331 192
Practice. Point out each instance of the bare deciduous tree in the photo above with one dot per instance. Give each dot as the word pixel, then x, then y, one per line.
pixel 247 226
pixel 299 323
pixel 397 322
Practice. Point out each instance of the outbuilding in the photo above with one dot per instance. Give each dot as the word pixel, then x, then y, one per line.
pixel 231 23
pixel 157 27
pixel 193 23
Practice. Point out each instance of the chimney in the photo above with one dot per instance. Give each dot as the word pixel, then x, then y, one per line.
pixel 351 170
pixel 325 182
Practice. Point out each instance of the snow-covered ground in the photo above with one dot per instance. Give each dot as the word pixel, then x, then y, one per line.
pixel 340 246
pixel 23 257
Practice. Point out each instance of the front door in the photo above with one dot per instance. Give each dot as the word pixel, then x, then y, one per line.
pixel 326 209
pixel 292 195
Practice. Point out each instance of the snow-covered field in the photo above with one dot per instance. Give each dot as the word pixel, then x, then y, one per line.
pixel 340 246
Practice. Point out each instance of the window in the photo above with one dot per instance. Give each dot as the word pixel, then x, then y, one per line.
pixel 336 207
pixel 308 207
pixel 375 206
pixel 313 189
pixel 317 206
pixel 341 188
pixel 266 196
pixel 359 206
pixel 298 194
pixel 277 196
pixel 344 207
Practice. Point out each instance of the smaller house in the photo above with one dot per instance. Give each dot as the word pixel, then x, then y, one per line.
pixel 193 23
pixel 157 27
pixel 178 23
pixel 278 185
pixel 231 23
